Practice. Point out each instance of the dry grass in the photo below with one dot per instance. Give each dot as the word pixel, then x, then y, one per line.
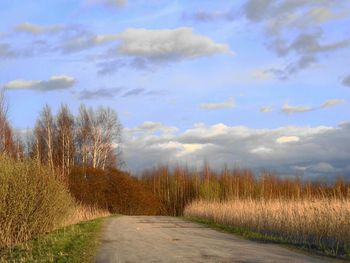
pixel 322 224
pixel 84 213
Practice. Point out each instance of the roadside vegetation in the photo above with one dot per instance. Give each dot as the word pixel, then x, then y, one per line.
pixel 321 225
pixel 311 215
pixel 74 244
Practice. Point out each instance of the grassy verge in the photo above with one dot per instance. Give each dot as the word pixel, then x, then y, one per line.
pixel 260 237
pixel 76 243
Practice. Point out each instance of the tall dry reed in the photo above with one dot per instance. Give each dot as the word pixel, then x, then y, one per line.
pixel 323 224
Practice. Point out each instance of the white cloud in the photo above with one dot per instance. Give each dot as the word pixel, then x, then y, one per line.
pixel 37 29
pixel 287 139
pixel 266 109
pixel 54 83
pixel 152 127
pixel 167 44
pixel 332 103
pixel 289 109
pixel 305 147
pixel 230 103
pixel 86 41
pixel 110 3
pixel 261 150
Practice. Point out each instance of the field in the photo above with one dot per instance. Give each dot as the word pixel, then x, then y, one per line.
pixel 321 224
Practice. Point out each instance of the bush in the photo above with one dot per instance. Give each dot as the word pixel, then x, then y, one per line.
pixel 32 201
pixel 113 190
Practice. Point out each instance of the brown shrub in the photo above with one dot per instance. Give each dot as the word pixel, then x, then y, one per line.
pixel 113 190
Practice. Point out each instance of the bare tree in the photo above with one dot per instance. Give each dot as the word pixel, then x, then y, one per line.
pixel 83 136
pixel 45 137
pixel 98 137
pixel 65 140
pixel 7 144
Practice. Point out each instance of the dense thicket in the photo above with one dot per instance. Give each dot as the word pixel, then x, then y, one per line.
pixel 113 190
pixel 178 187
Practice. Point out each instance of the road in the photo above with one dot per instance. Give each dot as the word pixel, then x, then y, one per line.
pixel 168 239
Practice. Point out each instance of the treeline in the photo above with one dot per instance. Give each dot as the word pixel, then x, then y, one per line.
pixel 176 188
pixel 63 141
pixel 67 169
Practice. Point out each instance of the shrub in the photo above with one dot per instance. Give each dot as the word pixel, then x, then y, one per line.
pixel 113 190
pixel 32 201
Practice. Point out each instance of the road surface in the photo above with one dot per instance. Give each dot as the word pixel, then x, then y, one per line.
pixel 168 239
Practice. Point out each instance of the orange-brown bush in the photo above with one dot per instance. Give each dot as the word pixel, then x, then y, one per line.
pixel 113 190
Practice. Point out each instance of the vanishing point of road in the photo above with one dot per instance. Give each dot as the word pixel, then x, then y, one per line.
pixel 144 239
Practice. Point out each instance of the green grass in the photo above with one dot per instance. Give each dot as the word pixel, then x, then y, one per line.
pixel 246 233
pixel 260 237
pixel 76 243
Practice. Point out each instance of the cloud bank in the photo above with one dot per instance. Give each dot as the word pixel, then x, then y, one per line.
pixel 312 151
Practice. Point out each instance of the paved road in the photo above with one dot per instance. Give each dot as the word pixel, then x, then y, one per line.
pixel 169 239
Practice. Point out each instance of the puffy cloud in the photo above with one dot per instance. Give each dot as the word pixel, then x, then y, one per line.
pixel 230 103
pixel 54 83
pixel 167 44
pixel 311 150
pixel 289 109
pixel 37 29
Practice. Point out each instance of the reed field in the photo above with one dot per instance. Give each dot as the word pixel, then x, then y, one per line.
pixel 322 224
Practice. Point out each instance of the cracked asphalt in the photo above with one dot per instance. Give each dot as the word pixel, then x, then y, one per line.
pixel 169 239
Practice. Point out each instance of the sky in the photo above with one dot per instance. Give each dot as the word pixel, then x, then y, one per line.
pixel 248 83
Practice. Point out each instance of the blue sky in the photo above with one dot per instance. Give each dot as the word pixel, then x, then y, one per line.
pixel 177 71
